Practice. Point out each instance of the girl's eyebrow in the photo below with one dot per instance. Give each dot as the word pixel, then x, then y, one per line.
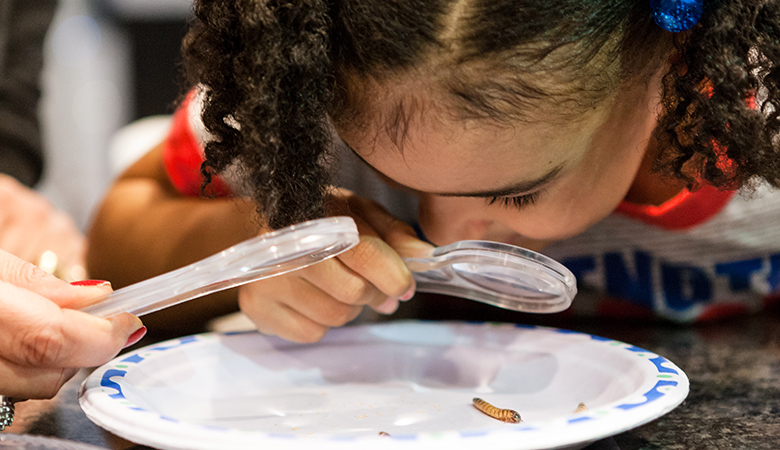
pixel 516 189
pixel 522 187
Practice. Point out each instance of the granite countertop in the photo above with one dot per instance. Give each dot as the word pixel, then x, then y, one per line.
pixel 734 371
pixel 733 367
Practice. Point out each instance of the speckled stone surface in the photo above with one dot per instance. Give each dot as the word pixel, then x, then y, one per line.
pixel 734 370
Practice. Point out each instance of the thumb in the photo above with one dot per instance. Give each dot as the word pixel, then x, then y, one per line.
pixel 27 276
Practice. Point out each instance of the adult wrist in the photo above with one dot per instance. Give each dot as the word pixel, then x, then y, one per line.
pixel 6 412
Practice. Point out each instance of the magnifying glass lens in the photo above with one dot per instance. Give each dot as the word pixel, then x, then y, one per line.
pixel 498 274
pixel 508 281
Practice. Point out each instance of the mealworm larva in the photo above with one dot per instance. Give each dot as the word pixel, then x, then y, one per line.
pixel 581 408
pixel 504 415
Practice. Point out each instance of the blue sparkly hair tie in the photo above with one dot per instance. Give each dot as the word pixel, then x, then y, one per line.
pixel 677 15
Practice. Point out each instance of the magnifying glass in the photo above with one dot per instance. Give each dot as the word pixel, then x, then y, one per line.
pixel 499 274
pixel 263 256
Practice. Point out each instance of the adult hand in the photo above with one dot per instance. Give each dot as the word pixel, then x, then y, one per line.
pixel 301 306
pixel 42 343
pixel 34 230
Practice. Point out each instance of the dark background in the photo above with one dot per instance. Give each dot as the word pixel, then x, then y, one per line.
pixel 156 64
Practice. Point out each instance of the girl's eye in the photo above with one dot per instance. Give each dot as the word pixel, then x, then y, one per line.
pixel 519 202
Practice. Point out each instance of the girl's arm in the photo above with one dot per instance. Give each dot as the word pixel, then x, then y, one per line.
pixel 144 227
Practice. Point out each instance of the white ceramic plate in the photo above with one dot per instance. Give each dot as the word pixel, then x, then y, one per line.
pixel 413 380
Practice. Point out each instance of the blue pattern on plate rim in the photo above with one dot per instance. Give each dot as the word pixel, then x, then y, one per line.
pixel 655 393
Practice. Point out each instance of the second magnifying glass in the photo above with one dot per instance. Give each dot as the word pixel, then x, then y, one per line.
pixel 499 274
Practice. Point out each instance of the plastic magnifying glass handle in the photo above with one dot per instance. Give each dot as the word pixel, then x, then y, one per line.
pixel 498 274
pixel 264 256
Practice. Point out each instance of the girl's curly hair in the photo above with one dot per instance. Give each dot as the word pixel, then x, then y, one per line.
pixel 721 118
pixel 275 73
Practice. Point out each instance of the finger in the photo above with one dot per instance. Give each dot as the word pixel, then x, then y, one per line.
pixel 276 319
pixel 319 307
pixel 384 241
pixel 29 277
pixel 380 265
pixel 397 233
pixel 302 316
pixel 340 282
pixel 73 340
pixel 32 383
pixel 93 340
pixel 21 273
pixel 35 332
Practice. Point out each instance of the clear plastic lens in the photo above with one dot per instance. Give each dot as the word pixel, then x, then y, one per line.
pixel 503 280
pixel 498 274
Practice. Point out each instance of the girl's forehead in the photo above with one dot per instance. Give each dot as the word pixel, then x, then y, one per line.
pixel 451 157
pixel 411 135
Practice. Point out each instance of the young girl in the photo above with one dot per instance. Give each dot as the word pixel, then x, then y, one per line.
pixel 580 127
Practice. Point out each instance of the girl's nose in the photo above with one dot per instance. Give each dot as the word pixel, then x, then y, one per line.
pixel 446 220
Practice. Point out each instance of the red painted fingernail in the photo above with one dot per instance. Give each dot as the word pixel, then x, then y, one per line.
pixel 91 283
pixel 135 337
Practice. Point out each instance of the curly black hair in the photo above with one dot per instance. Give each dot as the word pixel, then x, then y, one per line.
pixel 711 129
pixel 277 73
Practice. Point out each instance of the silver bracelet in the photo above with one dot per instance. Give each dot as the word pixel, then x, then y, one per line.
pixel 6 412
